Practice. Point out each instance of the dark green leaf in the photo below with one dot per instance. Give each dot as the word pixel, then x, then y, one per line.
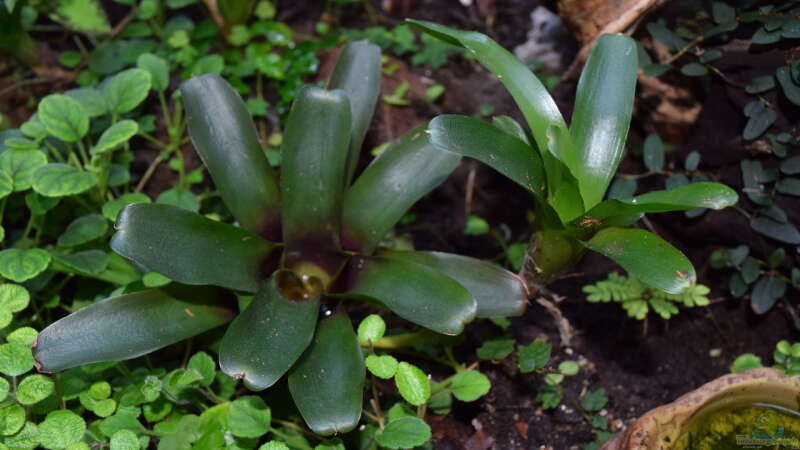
pixel 790 186
pixel 495 349
pixel 646 257
pixel 653 153
pixel 225 138
pixel 83 229
pixel 603 106
pixel 791 166
pixel 128 326
pixel 690 196
pixel 268 337
pixel 415 292
pixel 190 248
pixel 791 89
pixel 358 73
pixel 533 356
pixel 694 70
pixel 328 380
pixel 402 174
pixel 313 164
pixel 783 232
pixel 594 401
pixel 766 292
pixel 662 34
pixel 722 12
pixel 760 119
pixel 760 84
pixel 531 96
pixel 482 141
pixel 497 292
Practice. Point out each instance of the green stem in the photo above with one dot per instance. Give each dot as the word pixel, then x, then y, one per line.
pixel 84 155
pixel 404 340
pixel 54 152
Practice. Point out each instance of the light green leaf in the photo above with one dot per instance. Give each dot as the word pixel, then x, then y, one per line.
pixel 23 335
pixel 371 328
pixel 687 197
pixel 13 297
pixel 83 229
pixel 25 439
pixel 22 265
pixel 603 106
pixel 82 15
pixel 384 366
pixel 470 385
pixel 490 145
pixel 249 417
pixel 60 180
pixel 495 349
pixel 61 429
pixel 112 208
pixel 20 165
pixel 124 440
pixel 15 359
pixel 4 388
pixel 115 135
pixel 536 104
pixel 63 117
pixel 34 388
pixel 91 99
pixel 406 432
pixel 158 69
pixel 646 257
pixel 204 365
pixel 180 198
pixel 126 90
pixel 6 184
pixel 12 418
pixel 413 384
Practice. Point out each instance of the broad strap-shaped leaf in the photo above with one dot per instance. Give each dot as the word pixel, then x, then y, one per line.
pixel 130 325
pixel 358 73
pixel 327 382
pixel 645 256
pixel 497 292
pixel 415 292
pixel 225 138
pixel 490 145
pixel 313 165
pixel 266 339
pixel 682 198
pixel 191 249
pixel 402 174
pixel 563 189
pixel 529 93
pixel 603 106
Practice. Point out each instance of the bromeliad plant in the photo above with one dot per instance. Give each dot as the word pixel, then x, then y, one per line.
pixel 304 240
pixel 568 169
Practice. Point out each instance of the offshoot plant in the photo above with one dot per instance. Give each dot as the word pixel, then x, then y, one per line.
pixel 304 242
pixel 567 169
